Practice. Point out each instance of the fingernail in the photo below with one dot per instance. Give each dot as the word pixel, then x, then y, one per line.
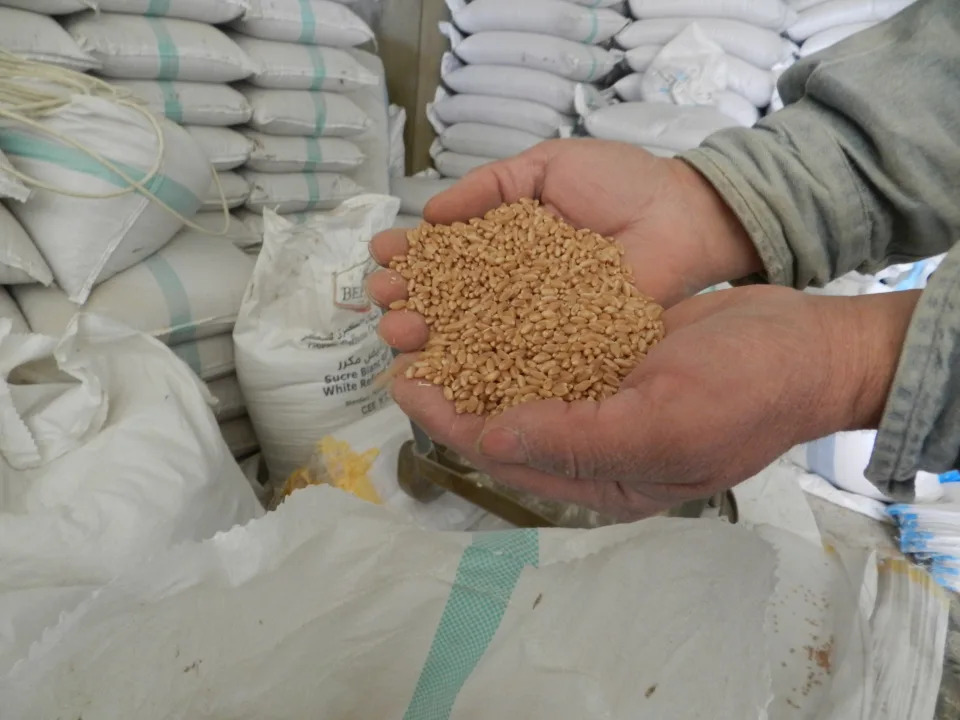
pixel 503 445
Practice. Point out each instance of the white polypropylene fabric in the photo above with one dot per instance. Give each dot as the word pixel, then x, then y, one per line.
pixel 800 5
pixel 537 51
pixel 237 231
pixel 190 289
pixel 40 38
pixel 308 353
pixel 230 404
pixel 151 48
pixel 415 192
pixel 487 140
pixel 10 311
pixel 289 66
pixel 525 115
pixel 549 17
pixel 10 185
pixel 689 70
pixel 456 165
pixel 206 11
pixel 826 38
pixel 189 103
pixel 209 358
pixel 278 154
pixel 225 149
pixel 509 82
pixel 87 241
pixel 296 112
pixel 630 88
pixel 240 437
pixel 773 14
pixel 396 126
pixel 50 7
pixel 843 12
pixel 296 192
pixel 232 191
pixel 312 22
pixel 140 466
pixel 639 58
pixel 374 175
pixel 758 46
pixel 20 261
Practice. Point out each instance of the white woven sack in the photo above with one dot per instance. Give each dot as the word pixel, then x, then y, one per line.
pixel 152 48
pixel 210 357
pixel 20 261
pixel 86 241
pixel 189 103
pixel 510 82
pixel 843 12
pixel 827 38
pixel 40 38
pixel 415 192
pixel 487 140
pixel 121 461
pixel 50 7
pixel 800 5
pixel 289 66
pixel 773 14
pixel 311 22
pixel 455 165
pixel 277 154
pixel 630 88
pixel 639 58
pixel 550 17
pixel 213 12
pixel 189 290
pixel 396 126
pixel 569 59
pixel 225 149
pixel 240 437
pixel 230 405
pixel 297 192
pixel 232 191
pixel 374 174
pixel 531 117
pixel 759 46
pixel 298 112
pixel 237 231
pixel 10 185
pixel 308 353
pixel 10 311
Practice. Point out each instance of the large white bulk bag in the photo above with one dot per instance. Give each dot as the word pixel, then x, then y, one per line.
pixel 191 289
pixel 759 46
pixel 278 154
pixel 550 17
pixel 50 7
pixel 231 191
pixel 297 192
pixel 10 185
pixel 827 38
pixel 308 353
pixel 487 140
pixel 531 117
pixel 37 37
pixel 299 112
pixel 209 358
pixel 773 14
pixel 109 453
pixel 843 12
pixel 86 241
pixel 230 404
pixel 312 22
pixel 631 88
pixel 20 261
pixel 289 66
pixel 190 103
pixel 10 311
pixel 205 11
pixel 455 165
pixel 509 82
pixel 567 58
pixel 415 192
pixel 374 142
pixel 152 48
pixel 225 149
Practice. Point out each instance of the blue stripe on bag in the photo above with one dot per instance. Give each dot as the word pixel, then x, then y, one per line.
pixel 594 28
pixel 320 112
pixel 182 327
pixel 158 7
pixel 313 189
pixel 319 67
pixel 314 155
pixel 166 50
pixel 165 188
pixel 172 108
pixel 486 577
pixel 308 23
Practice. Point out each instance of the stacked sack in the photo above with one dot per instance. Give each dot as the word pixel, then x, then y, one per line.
pixel 822 23
pixel 515 74
pixel 696 67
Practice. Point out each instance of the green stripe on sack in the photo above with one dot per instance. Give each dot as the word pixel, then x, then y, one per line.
pixel 163 187
pixel 314 155
pixel 182 327
pixel 486 577
pixel 313 189
pixel 158 7
pixel 172 108
pixel 320 112
pixel 594 28
pixel 319 67
pixel 308 23
pixel 166 50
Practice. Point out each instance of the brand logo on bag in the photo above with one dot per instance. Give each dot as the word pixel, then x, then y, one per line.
pixel 348 290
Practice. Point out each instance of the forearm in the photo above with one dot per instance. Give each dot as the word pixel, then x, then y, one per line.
pixel 862 168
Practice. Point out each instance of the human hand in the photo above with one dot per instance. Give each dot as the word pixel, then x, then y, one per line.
pixel 742 376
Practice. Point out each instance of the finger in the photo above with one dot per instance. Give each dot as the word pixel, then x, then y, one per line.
pixel 488 187
pixel 387 245
pixel 404 330
pixel 385 287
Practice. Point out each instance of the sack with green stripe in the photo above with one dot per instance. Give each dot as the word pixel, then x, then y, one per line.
pixel 205 11
pixel 311 22
pixel 549 17
pixel 273 153
pixel 332 608
pixel 87 240
pixel 190 103
pixel 299 112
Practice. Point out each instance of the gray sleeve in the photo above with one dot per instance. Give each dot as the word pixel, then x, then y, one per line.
pixel 862 168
